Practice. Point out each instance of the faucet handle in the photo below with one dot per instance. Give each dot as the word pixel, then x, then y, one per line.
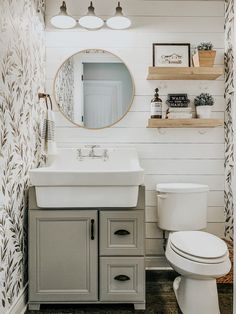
pixel 79 153
pixel 105 155
pixel 92 146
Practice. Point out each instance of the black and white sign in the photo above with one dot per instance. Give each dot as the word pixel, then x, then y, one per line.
pixel 177 100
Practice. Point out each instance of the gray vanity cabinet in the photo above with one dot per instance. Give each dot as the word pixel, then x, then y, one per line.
pixel 63 246
pixel 86 255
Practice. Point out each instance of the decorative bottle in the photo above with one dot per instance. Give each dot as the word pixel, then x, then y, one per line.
pixel 156 106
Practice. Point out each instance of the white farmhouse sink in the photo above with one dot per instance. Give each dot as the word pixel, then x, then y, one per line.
pixel 71 181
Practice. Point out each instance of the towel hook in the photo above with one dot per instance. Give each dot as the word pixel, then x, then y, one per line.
pixel 45 97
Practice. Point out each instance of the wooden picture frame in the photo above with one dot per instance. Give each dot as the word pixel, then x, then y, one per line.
pixel 171 55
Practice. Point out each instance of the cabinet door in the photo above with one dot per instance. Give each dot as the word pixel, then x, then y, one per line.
pixel 63 255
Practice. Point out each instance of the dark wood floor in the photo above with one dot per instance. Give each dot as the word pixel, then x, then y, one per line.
pixel 160 299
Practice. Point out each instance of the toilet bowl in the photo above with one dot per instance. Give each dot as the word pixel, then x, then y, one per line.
pixel 199 257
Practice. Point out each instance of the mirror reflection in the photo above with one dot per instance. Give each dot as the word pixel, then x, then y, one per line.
pixel 94 89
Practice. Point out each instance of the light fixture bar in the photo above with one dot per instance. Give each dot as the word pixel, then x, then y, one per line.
pixel 90 21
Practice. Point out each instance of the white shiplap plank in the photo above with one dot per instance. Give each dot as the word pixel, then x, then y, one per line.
pixel 181 166
pixel 140 135
pixel 106 38
pixel 216 198
pixel 215 182
pixel 132 119
pixel 145 88
pixel 180 151
pixel 214 214
pixel 154 232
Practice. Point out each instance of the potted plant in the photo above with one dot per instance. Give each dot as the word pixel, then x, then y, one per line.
pixel 205 55
pixel 204 103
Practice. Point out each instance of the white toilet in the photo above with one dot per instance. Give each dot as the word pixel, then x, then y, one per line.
pixel 198 256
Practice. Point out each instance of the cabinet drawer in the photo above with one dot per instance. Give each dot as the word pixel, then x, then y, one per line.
pixel 122 279
pixel 122 232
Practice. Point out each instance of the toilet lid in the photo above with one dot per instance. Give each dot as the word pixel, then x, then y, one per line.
pixel 199 244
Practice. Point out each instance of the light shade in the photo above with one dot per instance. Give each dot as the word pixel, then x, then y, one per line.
pixel 90 20
pixel 118 21
pixel 62 19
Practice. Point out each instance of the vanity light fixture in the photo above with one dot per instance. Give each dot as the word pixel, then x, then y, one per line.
pixel 62 19
pixel 90 21
pixel 118 21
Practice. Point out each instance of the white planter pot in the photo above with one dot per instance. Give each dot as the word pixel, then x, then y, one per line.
pixel 203 112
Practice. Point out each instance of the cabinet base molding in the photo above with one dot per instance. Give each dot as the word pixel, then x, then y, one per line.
pixel 36 306
pixel 139 306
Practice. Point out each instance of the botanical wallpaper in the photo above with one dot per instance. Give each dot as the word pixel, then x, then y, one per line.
pixel 229 127
pixel 64 88
pixel 22 76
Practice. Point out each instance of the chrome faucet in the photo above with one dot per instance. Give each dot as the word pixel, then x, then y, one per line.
pixel 91 153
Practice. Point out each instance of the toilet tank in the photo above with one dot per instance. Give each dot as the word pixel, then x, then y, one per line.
pixel 182 206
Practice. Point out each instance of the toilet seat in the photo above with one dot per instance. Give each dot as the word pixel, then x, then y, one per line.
pixel 199 246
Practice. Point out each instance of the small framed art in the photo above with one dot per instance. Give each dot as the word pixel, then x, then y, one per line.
pixel 171 55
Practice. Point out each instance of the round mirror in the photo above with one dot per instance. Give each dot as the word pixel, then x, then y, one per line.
pixel 94 89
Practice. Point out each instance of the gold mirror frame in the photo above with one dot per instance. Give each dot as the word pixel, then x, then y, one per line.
pixel 81 126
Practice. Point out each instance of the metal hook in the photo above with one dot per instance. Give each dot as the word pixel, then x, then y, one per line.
pixel 202 131
pixel 161 131
pixel 46 97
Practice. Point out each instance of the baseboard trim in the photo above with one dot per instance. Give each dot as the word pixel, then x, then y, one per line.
pixel 20 304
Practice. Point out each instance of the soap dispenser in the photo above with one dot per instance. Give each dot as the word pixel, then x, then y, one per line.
pixel 156 106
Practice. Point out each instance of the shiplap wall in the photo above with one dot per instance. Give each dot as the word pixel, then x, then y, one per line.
pixel 167 155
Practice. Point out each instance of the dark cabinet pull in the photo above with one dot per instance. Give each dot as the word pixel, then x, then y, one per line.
pixel 92 229
pixel 121 232
pixel 122 278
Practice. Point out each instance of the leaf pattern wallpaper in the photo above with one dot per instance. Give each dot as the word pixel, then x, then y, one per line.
pixel 22 76
pixel 64 88
pixel 229 127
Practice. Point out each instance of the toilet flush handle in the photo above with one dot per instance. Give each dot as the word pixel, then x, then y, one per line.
pixel 163 196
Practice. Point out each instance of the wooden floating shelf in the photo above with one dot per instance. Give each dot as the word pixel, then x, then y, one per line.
pixel 184 123
pixel 185 73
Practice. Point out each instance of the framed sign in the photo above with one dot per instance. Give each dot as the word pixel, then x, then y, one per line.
pixel 171 55
pixel 177 100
